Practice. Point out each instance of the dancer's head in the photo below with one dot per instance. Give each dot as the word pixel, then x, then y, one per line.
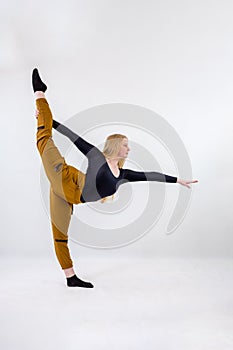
pixel 116 147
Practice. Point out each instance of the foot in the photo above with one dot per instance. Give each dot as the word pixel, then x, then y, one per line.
pixel 37 83
pixel 74 281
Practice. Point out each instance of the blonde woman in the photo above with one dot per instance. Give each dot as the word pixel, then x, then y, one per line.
pixel 69 185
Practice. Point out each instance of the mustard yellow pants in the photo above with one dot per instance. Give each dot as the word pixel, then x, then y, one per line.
pixel 66 183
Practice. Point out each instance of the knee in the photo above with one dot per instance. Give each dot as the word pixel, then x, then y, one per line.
pixel 42 139
pixel 40 145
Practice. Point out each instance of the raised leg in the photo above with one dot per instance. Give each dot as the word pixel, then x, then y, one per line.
pixel 44 123
pixel 65 184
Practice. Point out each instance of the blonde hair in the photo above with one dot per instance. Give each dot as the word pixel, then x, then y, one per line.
pixel 111 149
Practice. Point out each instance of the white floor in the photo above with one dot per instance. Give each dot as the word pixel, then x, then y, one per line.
pixel 164 304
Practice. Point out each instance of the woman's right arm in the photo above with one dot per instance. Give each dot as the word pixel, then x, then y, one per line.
pixel 84 146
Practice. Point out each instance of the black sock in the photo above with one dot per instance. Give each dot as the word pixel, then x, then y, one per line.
pixel 37 83
pixel 74 281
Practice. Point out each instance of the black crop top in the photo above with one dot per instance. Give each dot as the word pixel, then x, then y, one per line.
pixel 100 181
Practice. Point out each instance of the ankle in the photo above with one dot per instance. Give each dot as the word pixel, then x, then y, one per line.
pixel 69 272
pixel 39 94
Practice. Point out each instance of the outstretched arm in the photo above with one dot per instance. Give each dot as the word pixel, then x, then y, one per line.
pixel 84 146
pixel 132 176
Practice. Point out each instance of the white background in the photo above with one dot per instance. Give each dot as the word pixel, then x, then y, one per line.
pixel 172 57
pixel 162 292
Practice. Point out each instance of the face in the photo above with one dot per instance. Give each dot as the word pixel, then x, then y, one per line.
pixel 124 149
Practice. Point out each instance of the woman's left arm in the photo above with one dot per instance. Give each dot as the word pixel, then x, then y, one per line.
pixel 132 176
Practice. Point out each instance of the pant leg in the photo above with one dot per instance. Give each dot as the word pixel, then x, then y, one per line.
pixel 60 212
pixel 54 163
pixel 44 123
pixel 52 160
pixel 62 177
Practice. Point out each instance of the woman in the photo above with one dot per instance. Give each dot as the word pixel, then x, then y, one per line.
pixel 69 185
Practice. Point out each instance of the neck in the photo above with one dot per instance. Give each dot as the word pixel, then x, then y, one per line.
pixel 113 161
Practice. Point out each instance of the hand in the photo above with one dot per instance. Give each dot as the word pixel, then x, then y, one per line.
pixel 185 182
pixel 36 113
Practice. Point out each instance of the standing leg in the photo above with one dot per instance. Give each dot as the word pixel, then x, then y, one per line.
pixel 60 213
